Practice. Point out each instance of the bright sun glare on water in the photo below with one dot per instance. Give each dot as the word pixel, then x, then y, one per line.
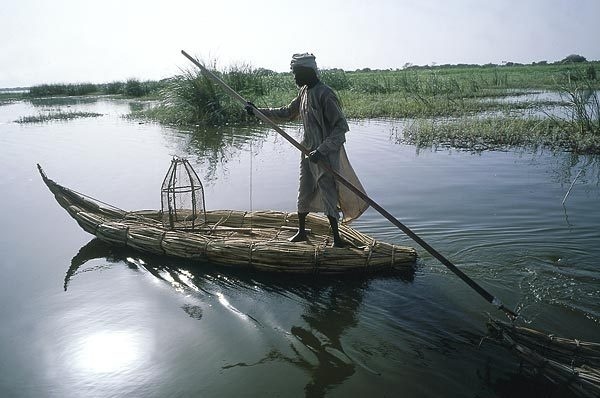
pixel 108 351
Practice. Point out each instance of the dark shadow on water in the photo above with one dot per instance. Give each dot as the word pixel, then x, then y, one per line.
pixel 331 310
pixel 92 250
pixel 340 303
pixel 520 385
pixel 507 376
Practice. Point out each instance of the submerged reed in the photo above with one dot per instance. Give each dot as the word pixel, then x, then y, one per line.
pixel 56 116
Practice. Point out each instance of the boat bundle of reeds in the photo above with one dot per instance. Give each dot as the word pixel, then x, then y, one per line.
pixel 258 239
pixel 573 363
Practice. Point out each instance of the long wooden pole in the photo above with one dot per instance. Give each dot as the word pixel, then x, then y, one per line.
pixel 474 285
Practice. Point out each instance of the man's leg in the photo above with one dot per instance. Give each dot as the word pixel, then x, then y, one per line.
pixel 306 190
pixel 329 193
pixel 337 240
pixel 301 234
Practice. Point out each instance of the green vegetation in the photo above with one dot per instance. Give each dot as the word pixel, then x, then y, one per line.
pixel 409 93
pixel 470 106
pixel 56 116
pixel 130 88
pixel 461 106
pixel 47 90
pixel 192 99
pixel 481 133
pixel 580 91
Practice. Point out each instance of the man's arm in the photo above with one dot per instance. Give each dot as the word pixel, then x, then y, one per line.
pixel 285 113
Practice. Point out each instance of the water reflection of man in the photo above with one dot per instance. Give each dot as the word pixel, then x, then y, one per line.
pixel 325 128
pixel 330 312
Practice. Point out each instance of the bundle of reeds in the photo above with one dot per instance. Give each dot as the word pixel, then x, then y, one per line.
pixel 257 239
pixel 571 362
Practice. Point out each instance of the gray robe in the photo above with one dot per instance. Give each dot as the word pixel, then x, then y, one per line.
pixel 325 129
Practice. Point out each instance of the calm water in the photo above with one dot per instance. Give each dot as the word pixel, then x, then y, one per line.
pixel 81 319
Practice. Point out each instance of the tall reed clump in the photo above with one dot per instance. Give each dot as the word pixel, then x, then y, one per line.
pixel 188 99
pixel 191 98
pixel 579 92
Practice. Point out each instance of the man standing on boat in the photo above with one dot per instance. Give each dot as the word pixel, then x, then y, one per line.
pixel 325 130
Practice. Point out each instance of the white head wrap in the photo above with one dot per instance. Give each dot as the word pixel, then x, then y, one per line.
pixel 306 60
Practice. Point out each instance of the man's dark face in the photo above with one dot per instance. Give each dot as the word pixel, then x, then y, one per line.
pixel 303 76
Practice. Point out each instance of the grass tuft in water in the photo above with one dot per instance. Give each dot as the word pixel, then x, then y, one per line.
pixel 56 116
pixel 497 133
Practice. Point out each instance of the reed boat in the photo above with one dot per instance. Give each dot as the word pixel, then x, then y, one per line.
pixel 570 363
pixel 257 240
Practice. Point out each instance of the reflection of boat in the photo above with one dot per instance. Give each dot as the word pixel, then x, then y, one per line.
pixel 316 313
pixel 255 239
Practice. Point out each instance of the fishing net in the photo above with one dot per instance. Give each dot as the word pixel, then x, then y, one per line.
pixel 182 197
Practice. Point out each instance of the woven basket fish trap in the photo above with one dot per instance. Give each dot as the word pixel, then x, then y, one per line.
pixel 182 197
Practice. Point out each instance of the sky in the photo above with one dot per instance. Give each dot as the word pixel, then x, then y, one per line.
pixel 99 41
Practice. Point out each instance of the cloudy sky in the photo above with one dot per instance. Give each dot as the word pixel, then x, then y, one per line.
pixel 68 41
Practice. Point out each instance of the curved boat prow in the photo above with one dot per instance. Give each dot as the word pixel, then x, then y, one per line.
pixel 42 172
pixel 49 183
pixel 55 188
pixel 75 203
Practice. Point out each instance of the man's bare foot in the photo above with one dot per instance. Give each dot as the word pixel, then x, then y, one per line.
pixel 340 243
pixel 299 237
